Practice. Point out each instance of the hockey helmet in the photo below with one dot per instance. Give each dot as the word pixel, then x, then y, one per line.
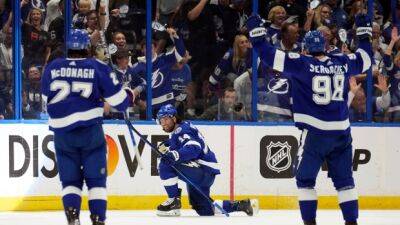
pixel 166 110
pixel 79 40
pixel 314 41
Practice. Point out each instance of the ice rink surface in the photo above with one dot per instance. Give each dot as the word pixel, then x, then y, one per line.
pixel 188 217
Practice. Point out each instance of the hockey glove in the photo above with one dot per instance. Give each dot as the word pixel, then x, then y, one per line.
pixel 163 147
pixel 363 24
pixel 131 95
pixel 257 31
pixel 170 157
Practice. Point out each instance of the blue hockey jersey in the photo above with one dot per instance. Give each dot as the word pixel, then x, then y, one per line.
pixel 193 151
pixel 273 34
pixel 319 86
pixel 180 80
pixel 275 97
pixel 73 90
pixel 162 92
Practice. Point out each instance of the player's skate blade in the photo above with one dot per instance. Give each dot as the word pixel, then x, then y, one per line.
pixel 171 207
pixel 171 213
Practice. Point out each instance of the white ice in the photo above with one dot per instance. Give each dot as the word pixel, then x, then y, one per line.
pixel 188 217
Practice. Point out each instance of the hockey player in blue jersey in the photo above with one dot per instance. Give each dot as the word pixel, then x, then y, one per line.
pixel 187 152
pixel 73 89
pixel 320 88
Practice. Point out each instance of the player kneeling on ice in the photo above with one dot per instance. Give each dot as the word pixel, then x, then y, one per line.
pixel 186 153
pixel 320 93
pixel 73 89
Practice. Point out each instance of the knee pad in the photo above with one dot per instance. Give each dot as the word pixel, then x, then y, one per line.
pixel 95 182
pixel 343 183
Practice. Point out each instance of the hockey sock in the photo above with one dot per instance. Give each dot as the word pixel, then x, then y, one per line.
pixel 172 191
pixel 348 204
pixel 72 198
pixel 98 202
pixel 308 204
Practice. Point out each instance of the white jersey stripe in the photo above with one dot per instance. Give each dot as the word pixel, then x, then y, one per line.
pixel 209 164
pixel 75 117
pixel 117 98
pixel 365 58
pixel 321 124
pixel 279 60
pixel 274 109
pixel 192 143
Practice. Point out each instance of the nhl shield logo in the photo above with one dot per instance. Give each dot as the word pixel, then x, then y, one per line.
pixel 278 157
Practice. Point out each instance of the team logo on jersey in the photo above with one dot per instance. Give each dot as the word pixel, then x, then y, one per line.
pixel 157 79
pixel 278 86
pixel 278 158
pixel 293 55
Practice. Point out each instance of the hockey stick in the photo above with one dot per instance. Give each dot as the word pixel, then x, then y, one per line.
pixel 135 147
pixel 186 179
pixel 110 63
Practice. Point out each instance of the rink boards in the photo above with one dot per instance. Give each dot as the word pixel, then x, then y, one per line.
pixel 255 161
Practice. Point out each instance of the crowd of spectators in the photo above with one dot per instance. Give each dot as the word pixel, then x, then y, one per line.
pixel 209 75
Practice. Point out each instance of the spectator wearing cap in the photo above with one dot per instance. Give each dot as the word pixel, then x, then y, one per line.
pixel 124 71
pixel 125 76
